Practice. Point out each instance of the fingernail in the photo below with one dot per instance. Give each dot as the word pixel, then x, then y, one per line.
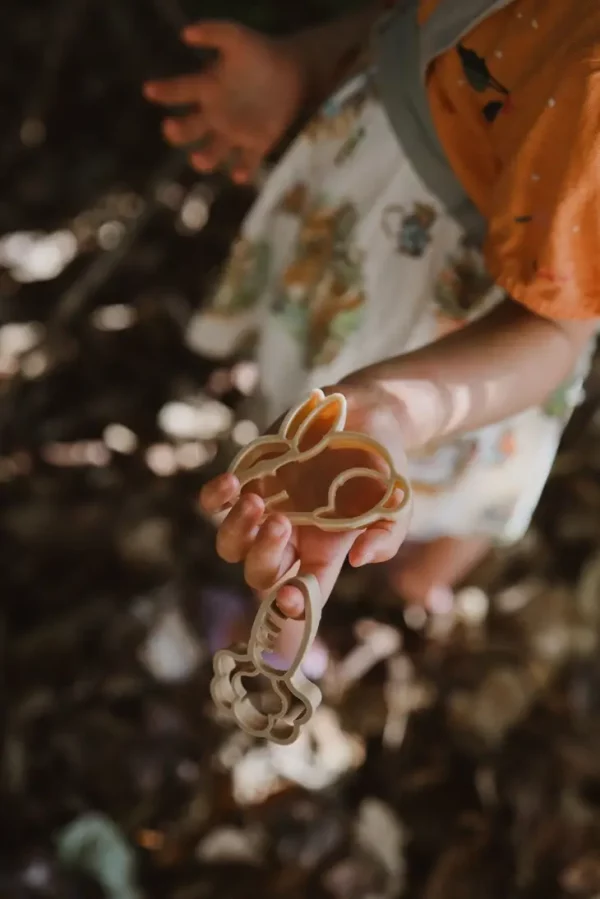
pixel 292 606
pixel 365 559
pixel 227 483
pixel 249 506
pixel 277 529
pixel 289 609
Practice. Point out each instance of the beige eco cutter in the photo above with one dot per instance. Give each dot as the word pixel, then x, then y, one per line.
pixel 313 427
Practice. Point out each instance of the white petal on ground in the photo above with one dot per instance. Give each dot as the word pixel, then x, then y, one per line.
pixel 171 652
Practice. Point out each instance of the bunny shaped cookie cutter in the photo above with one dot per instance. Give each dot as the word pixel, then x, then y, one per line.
pixel 290 698
pixel 264 457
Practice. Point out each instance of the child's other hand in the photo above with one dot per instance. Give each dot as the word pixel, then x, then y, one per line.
pixel 269 545
pixel 243 103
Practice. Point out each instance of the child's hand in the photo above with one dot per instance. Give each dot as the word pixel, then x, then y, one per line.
pixel 269 546
pixel 244 102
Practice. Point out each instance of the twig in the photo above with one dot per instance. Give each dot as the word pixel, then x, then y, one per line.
pixel 78 296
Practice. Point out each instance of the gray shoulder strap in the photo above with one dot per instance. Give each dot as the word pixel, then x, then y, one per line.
pixel 404 96
pixel 403 52
pixel 449 23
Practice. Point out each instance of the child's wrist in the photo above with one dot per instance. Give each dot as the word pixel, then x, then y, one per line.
pixel 415 405
pixel 362 391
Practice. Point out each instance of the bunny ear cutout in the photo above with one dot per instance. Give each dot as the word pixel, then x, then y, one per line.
pixel 310 428
pixel 251 457
pixel 256 465
pixel 298 415
pixel 304 433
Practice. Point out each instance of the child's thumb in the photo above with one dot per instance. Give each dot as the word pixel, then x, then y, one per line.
pixel 326 569
pixel 381 542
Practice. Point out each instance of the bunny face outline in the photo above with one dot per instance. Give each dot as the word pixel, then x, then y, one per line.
pixel 263 458
pixel 296 697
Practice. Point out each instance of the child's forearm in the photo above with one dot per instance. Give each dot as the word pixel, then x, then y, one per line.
pixel 489 370
pixel 328 52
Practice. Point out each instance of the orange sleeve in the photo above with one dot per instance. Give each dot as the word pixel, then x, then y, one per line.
pixel 543 243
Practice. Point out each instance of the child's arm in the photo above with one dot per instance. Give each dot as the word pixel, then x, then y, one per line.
pixel 244 102
pixel 505 363
pixel 508 361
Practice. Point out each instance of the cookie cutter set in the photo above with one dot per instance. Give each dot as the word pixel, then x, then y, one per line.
pixel 289 699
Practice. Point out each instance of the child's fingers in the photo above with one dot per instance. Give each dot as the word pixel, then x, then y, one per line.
pixel 325 567
pixel 187 130
pixel 219 493
pixel 379 543
pixel 265 558
pixel 174 91
pixel 246 166
pixel 291 602
pixel 212 155
pixel 220 34
pixel 240 529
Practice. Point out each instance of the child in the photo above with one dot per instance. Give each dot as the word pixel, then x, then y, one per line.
pixel 429 246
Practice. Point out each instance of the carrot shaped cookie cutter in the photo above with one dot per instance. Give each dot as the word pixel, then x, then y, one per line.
pixel 286 700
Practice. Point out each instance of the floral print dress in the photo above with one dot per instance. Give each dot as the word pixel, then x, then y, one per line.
pixel 347 259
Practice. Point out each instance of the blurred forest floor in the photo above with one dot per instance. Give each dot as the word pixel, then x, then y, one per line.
pixel 467 764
